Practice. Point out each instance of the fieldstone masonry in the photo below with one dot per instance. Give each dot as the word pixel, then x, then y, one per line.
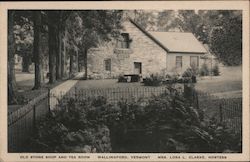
pixel 142 49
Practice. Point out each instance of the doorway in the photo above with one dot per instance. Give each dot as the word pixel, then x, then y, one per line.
pixel 137 68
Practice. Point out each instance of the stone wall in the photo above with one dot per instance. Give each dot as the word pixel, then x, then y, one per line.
pixel 142 49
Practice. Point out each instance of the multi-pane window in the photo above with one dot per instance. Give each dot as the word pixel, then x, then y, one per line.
pixel 178 62
pixel 107 64
pixel 123 42
pixel 194 61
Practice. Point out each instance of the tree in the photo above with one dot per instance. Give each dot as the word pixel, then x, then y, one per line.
pixel 166 21
pixel 226 38
pixel 98 26
pixel 24 41
pixel 146 19
pixel 220 29
pixel 56 26
pixel 37 52
pixel 52 27
pixel 23 35
pixel 11 60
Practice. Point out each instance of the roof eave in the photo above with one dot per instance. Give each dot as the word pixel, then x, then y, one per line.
pixel 174 52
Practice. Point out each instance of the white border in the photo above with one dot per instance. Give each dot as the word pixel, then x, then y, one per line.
pixel 159 5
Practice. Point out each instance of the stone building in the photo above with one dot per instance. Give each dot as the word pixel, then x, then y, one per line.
pixel 138 51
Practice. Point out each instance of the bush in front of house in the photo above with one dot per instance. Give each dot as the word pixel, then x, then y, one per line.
pixel 153 80
pixel 122 79
pixel 204 71
pixel 168 123
pixel 76 127
pixel 164 123
pixel 189 72
pixel 190 75
pixel 216 70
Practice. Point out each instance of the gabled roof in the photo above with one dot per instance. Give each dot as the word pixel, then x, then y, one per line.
pixel 175 42
pixel 179 42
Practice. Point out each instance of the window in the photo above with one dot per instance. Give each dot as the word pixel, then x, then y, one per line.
pixel 194 61
pixel 123 42
pixel 178 62
pixel 107 64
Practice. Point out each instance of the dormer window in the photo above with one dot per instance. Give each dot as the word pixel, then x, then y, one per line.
pixel 123 42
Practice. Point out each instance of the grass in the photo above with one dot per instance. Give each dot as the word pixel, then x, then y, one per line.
pixel 25 83
pixel 228 84
pixel 219 86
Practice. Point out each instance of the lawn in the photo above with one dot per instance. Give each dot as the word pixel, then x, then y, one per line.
pixel 25 83
pixel 228 84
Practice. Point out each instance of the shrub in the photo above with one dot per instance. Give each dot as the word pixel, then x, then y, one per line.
pixel 204 71
pixel 75 127
pixel 153 80
pixel 215 70
pixel 168 123
pixel 195 69
pixel 121 78
pixel 189 73
pixel 165 123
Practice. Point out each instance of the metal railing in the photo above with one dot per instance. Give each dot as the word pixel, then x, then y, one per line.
pixel 22 122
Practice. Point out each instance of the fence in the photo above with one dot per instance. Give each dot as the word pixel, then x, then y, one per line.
pixel 113 95
pixel 228 111
pixel 22 122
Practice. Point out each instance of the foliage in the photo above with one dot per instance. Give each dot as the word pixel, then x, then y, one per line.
pixel 226 38
pixel 204 71
pixel 168 123
pixel 189 72
pixel 20 100
pixel 75 127
pixel 153 80
pixel 157 79
pixel 165 123
pixel 220 29
pixel 121 78
pixel 146 19
pixel 86 33
pixel 215 70
pixel 24 40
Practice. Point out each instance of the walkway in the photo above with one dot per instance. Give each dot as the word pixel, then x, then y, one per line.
pixel 60 90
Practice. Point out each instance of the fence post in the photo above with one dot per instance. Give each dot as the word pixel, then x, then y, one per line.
pixel 197 100
pixel 75 93
pixel 221 115
pixel 49 99
pixel 34 117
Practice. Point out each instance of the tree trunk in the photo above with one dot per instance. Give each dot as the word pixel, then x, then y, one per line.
pixel 71 65
pixel 63 59
pixel 59 54
pixel 86 63
pixel 52 48
pixel 37 51
pixel 26 64
pixel 77 61
pixel 11 60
